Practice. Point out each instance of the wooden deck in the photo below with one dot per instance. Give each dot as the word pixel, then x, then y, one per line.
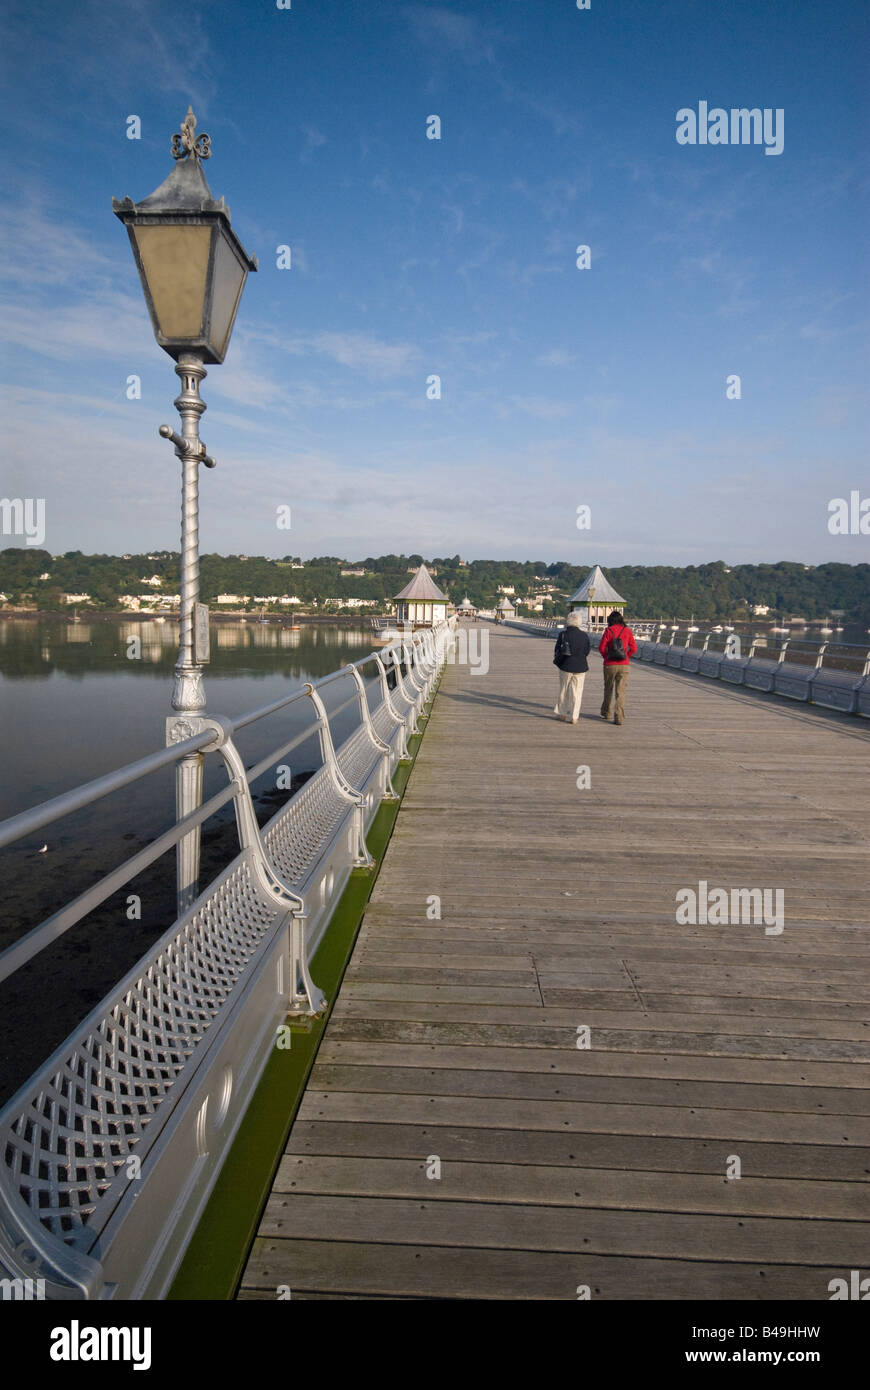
pixel 457 1038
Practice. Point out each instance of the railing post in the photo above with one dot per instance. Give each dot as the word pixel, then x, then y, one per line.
pixel 390 793
pixel 385 693
pixel 400 681
pixel 362 858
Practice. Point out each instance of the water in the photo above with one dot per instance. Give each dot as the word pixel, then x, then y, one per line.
pixel 74 706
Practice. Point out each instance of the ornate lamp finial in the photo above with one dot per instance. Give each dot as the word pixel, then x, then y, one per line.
pixel 188 142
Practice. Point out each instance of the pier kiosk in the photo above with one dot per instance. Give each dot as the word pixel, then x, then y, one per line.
pixel 421 603
pixel 595 598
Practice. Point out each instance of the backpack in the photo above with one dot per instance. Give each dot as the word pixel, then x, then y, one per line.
pixel 616 651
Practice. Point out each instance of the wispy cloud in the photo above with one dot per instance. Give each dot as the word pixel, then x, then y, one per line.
pixel 314 140
pixel 542 408
pixel 720 267
pixel 451 32
pixel 108 324
pixel 37 250
pixel 363 352
pixel 557 358
pixel 553 198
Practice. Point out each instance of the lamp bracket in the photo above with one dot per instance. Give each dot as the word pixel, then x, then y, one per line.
pixel 186 448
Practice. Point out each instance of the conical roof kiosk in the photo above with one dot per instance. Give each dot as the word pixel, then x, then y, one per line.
pixel 595 598
pixel 421 603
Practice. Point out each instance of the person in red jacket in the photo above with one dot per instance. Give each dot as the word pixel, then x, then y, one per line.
pixel 617 646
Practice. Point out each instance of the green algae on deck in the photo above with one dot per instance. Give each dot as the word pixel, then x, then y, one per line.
pixel 215 1258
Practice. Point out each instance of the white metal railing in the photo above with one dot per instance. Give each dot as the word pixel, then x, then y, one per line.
pixel 549 627
pixel 833 674
pixel 109 1152
pixel 542 626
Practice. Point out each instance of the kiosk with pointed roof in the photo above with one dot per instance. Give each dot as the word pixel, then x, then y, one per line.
pixel 421 602
pixel 595 598
pixel 506 608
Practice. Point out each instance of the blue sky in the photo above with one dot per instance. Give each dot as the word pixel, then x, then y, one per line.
pixel 561 387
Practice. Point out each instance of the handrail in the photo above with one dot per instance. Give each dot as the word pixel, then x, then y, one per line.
pixel 166 1064
pixel 53 927
pixel 27 822
pixel 46 812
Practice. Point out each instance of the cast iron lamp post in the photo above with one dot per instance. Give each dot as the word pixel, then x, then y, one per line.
pixel 193 270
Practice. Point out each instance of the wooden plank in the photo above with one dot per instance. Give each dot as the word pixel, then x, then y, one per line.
pixel 469 994
pixel 591 1230
pixel 588 933
pixel 414 974
pixel 539 1185
pixel 619 1090
pixel 586 1062
pixel 604 1020
pixel 430 1271
pixel 461 945
pixel 641 1039
pixel 457 1036
pixel 812 1162
pixel 579 1118
pixel 681 1003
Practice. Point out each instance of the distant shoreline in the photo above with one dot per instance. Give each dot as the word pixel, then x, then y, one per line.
pixel 104 615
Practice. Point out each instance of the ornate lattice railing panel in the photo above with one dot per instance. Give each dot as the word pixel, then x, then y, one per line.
pixel 68 1141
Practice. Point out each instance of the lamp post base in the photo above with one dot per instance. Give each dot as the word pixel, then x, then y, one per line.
pixel 188 796
pixel 188 692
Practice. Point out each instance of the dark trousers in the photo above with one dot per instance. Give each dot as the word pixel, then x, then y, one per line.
pixel 615 680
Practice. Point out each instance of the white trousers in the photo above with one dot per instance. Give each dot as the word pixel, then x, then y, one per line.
pixel 570 695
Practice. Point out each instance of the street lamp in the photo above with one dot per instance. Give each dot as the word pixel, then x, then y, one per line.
pixel 193 270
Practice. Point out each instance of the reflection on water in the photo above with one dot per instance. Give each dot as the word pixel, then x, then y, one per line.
pixel 78 701
pixel 38 648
